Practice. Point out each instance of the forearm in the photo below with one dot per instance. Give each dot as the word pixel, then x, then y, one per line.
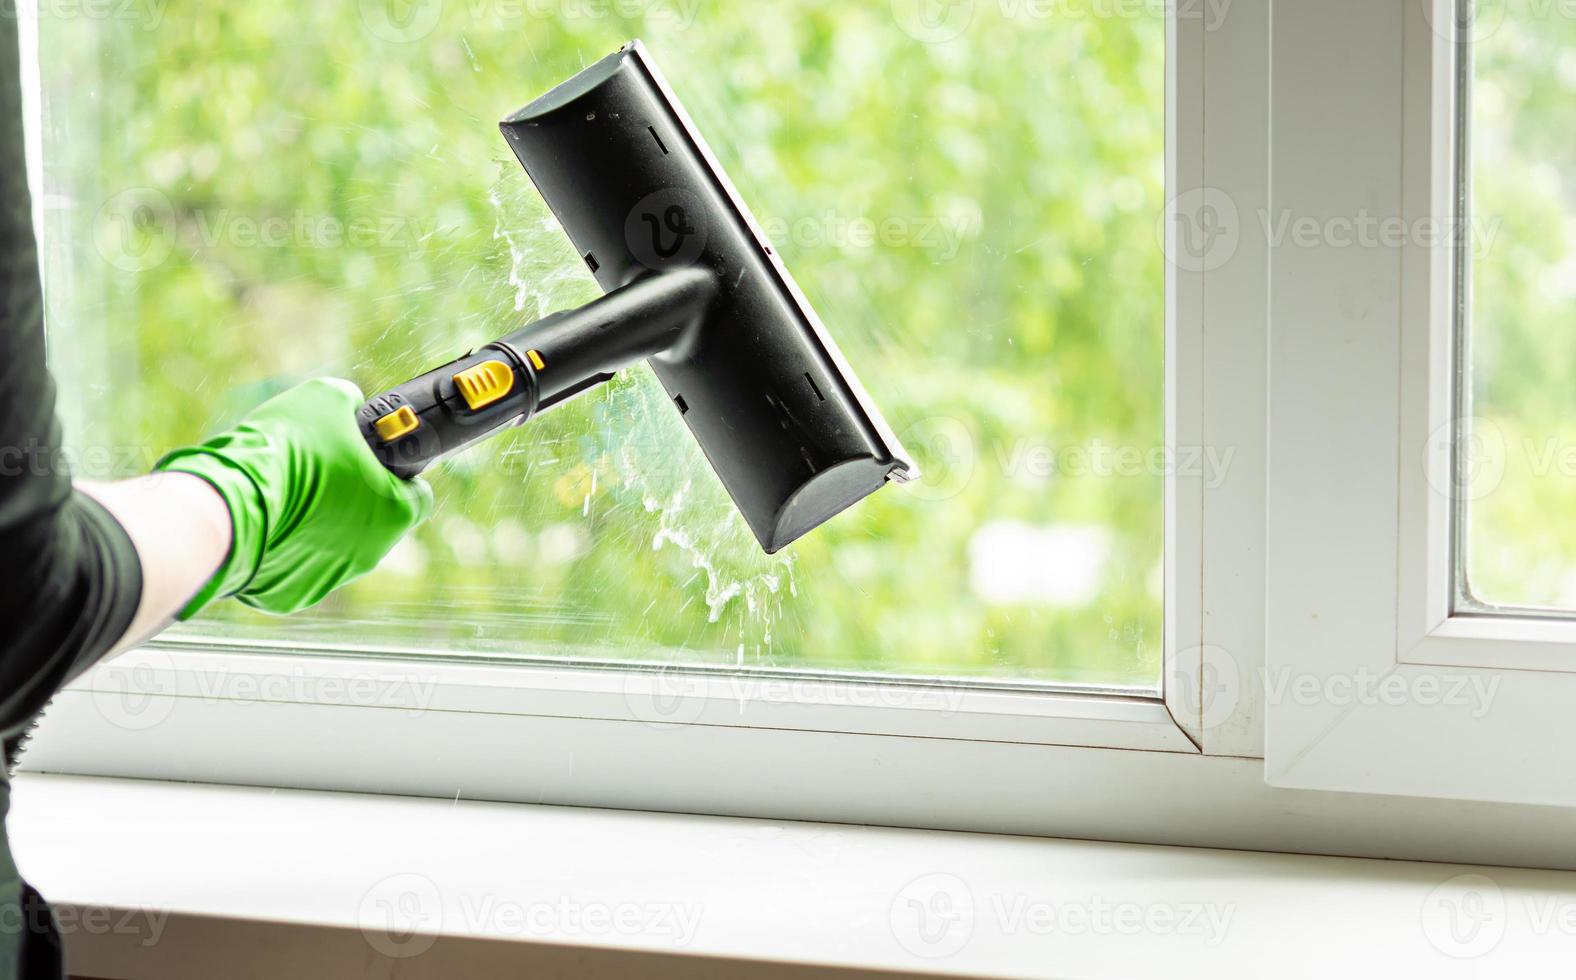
pixel 87 568
pixel 181 530
pixel 69 588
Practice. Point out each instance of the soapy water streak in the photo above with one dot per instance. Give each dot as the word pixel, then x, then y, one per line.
pixel 544 278
pixel 652 453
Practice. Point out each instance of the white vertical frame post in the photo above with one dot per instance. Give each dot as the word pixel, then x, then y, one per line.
pixel 1182 681
pixel 1371 688
pixel 1435 421
pixel 1217 184
pixel 1236 147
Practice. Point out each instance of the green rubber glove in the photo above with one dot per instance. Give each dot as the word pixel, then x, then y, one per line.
pixel 310 505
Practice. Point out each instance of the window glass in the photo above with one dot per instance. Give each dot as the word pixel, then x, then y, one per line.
pixel 1519 459
pixel 241 196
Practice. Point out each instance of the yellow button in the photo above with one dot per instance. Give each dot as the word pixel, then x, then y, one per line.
pixel 485 383
pixel 400 422
pixel 536 359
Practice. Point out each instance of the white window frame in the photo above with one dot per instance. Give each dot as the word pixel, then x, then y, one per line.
pixel 1182 768
pixel 169 675
pixel 1361 574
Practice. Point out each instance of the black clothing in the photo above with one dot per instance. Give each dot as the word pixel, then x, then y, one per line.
pixel 70 579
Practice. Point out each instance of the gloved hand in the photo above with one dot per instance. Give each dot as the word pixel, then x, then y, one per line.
pixel 310 505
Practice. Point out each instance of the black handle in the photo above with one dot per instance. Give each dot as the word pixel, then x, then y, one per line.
pixel 531 370
pixel 449 407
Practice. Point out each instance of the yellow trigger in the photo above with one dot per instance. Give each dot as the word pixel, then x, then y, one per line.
pixel 485 383
pixel 400 422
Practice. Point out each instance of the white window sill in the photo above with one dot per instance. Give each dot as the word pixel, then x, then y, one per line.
pixel 288 882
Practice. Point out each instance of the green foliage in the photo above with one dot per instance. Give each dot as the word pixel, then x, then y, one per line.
pixel 1010 305
pixel 1523 336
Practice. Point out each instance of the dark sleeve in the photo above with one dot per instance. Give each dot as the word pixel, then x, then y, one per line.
pixel 70 579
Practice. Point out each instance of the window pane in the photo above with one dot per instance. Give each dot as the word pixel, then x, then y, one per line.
pixel 245 195
pixel 1521 455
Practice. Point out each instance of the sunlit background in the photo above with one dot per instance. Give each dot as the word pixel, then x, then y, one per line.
pixel 1521 545
pixel 241 196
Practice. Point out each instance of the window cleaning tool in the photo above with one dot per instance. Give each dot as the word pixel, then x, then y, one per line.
pixel 692 287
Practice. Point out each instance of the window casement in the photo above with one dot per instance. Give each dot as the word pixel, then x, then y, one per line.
pixel 1309 636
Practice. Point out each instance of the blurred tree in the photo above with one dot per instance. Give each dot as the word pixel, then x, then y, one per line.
pixel 1523 332
pixel 275 192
